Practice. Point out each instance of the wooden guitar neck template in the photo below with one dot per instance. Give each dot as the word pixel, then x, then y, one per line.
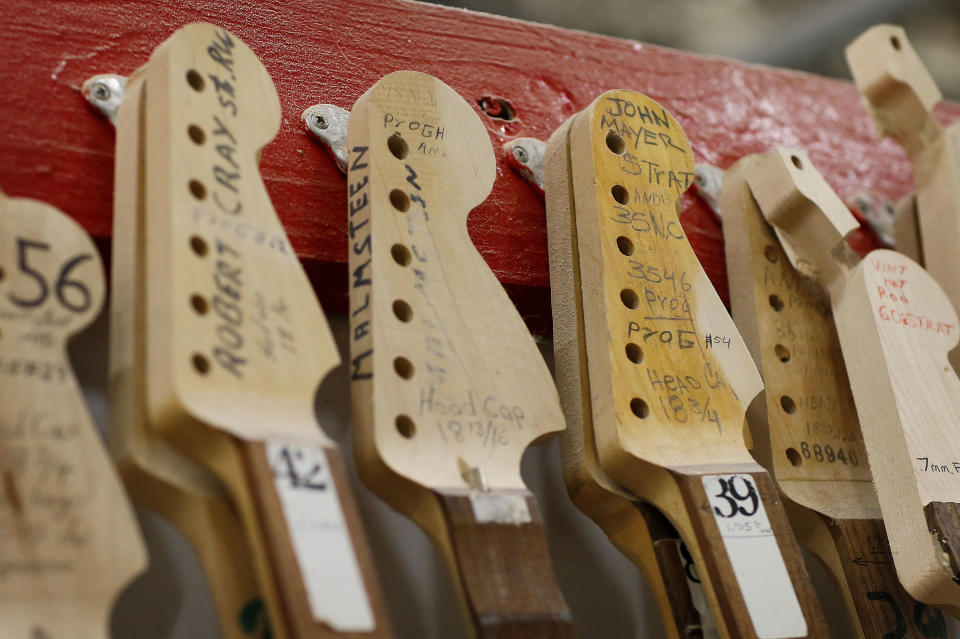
pixel 806 430
pixel 70 541
pixel 895 327
pixel 233 341
pixel 668 375
pixel 448 387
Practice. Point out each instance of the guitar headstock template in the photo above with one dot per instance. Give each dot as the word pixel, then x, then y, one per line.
pixel 900 94
pixel 668 375
pixel 895 326
pixel 69 542
pixel 806 430
pixel 448 387
pixel 235 342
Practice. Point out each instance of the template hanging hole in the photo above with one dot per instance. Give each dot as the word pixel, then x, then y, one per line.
pixel 625 245
pixel 796 162
pixel 403 367
pixel 199 304
pixel 405 426
pixel 615 143
pixel 634 353
pixel 794 456
pixel 401 254
pixel 497 108
pixel 639 408
pixel 398 146
pixel 787 404
pixel 629 298
pixel 895 42
pixel 776 303
pixel 402 310
pixel 199 245
pixel 196 134
pixel 400 200
pixel 201 364
pixel 195 80
pixel 783 353
pixel 620 194
pixel 198 190
pixel 771 254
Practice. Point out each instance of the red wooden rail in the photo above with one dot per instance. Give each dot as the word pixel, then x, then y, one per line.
pixel 56 149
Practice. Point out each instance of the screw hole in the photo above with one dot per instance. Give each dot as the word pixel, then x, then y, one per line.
pixel 639 408
pixel 497 108
pixel 402 310
pixel 403 367
pixel 796 162
pixel 400 200
pixel 195 80
pixel 776 303
pixel 620 194
pixel 405 426
pixel 771 254
pixel 794 456
pixel 198 189
pixel 895 42
pixel 783 354
pixel 199 245
pixel 199 304
pixel 615 143
pixel 401 254
pixel 634 353
pixel 201 364
pixel 398 146
pixel 196 134
pixel 787 404
pixel 625 245
pixel 629 298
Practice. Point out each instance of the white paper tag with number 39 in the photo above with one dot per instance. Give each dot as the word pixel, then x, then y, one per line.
pixel 755 556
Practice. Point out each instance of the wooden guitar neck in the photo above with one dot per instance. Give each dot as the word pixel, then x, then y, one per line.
pixel 669 377
pixel 637 529
pixel 900 95
pixel 806 430
pixel 234 340
pixel 156 476
pixel 895 327
pixel 448 387
pixel 70 541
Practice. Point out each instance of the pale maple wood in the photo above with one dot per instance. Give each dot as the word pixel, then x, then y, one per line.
pixel 70 540
pixel 899 93
pixel 155 474
pixel 815 452
pixel 625 519
pixel 611 161
pixel 448 387
pixel 907 395
pixel 235 341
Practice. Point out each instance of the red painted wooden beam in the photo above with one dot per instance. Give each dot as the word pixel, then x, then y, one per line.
pixel 56 149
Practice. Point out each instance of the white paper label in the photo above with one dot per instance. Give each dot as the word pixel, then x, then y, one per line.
pixel 320 538
pixel 708 625
pixel 755 556
pixel 498 508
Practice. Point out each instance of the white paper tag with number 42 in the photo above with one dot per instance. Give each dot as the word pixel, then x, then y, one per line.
pixel 755 556
pixel 321 540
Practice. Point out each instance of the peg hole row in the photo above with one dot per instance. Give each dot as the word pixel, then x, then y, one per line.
pixel 401 255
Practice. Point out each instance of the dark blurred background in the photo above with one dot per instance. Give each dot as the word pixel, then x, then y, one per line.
pixel 801 34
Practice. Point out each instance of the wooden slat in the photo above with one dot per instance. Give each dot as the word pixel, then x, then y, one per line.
pixel 332 51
